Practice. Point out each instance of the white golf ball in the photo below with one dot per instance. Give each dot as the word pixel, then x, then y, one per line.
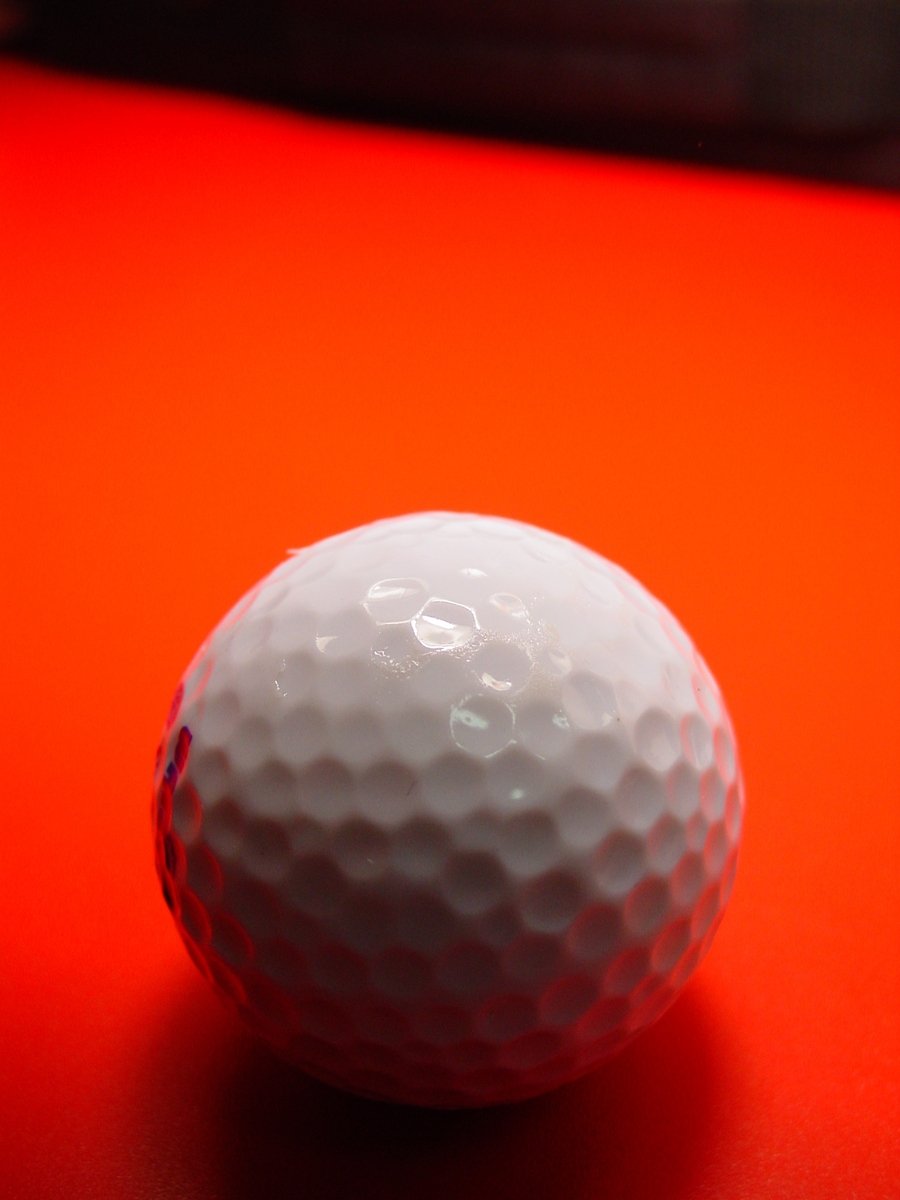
pixel 447 809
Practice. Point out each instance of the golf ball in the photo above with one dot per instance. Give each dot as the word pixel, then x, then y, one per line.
pixel 447 809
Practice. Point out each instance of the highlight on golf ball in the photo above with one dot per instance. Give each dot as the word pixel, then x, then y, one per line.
pixel 447 809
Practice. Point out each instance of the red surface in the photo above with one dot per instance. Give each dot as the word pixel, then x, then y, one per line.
pixel 227 331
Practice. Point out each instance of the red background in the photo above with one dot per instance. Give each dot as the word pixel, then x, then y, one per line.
pixel 227 331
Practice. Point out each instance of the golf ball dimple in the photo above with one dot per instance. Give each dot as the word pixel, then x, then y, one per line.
pixel 447 808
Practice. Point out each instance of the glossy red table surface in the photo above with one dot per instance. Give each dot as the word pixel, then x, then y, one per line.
pixel 228 330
